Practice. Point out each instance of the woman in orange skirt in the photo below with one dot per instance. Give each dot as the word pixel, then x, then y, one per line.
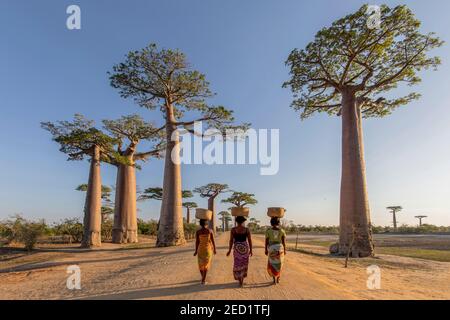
pixel 204 248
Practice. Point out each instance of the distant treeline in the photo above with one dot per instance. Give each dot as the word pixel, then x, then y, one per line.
pixel 425 228
pixel 28 232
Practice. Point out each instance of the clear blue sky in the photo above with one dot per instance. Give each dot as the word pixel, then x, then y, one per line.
pixel 50 73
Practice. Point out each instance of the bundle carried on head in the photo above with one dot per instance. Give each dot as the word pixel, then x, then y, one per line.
pixel 203 214
pixel 240 212
pixel 276 212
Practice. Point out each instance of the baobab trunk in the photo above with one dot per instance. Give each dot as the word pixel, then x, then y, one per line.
pixel 394 220
pixel 125 218
pixel 212 222
pixel 170 232
pixel 93 204
pixel 354 205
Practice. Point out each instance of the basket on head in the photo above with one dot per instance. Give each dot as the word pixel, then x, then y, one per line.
pixel 275 212
pixel 203 214
pixel 240 212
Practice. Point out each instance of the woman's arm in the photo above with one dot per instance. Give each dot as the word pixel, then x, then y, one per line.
pixel 230 244
pixel 197 242
pixel 283 240
pixel 211 234
pixel 250 242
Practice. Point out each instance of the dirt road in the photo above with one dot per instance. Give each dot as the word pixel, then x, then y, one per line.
pixel 171 273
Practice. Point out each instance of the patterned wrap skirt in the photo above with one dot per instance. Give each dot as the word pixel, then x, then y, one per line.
pixel 275 260
pixel 241 254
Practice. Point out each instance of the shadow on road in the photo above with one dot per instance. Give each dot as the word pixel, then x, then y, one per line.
pixel 162 292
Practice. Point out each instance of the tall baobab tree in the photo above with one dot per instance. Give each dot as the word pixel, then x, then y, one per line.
pixel 420 219
pixel 211 191
pixel 107 204
pixel 394 210
pixel 80 139
pixel 130 131
pixel 344 71
pixel 241 199
pixel 189 205
pixel 163 79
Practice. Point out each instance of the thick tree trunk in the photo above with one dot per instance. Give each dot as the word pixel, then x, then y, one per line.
pixel 354 206
pixel 125 217
pixel 171 231
pixel 211 206
pixel 93 204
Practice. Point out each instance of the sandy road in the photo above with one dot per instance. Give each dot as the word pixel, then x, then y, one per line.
pixel 171 273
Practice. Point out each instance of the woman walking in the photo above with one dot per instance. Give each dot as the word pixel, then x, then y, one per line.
pixel 204 248
pixel 275 249
pixel 241 239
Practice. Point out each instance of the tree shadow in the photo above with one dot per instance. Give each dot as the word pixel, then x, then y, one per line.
pixel 42 265
pixel 160 292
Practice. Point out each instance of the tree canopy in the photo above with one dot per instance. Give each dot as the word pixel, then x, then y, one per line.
pixel 163 78
pixel 134 129
pixel 350 56
pixel 241 199
pixel 190 204
pixel 78 138
pixel 156 193
pixel 211 190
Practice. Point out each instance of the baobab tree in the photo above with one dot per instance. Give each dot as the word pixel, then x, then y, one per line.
pixel 80 139
pixel 241 199
pixel 189 205
pixel 420 219
pixel 107 205
pixel 156 193
pixel 225 216
pixel 163 79
pixel 130 131
pixel 394 210
pixel 344 71
pixel 211 191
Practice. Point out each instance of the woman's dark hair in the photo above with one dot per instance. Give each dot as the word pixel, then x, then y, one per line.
pixel 240 219
pixel 203 222
pixel 274 221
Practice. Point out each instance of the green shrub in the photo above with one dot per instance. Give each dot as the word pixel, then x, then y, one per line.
pixel 189 230
pixel 149 228
pixel 23 231
pixel 107 227
pixel 72 228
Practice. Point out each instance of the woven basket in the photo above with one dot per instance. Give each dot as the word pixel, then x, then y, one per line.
pixel 240 212
pixel 203 214
pixel 275 212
